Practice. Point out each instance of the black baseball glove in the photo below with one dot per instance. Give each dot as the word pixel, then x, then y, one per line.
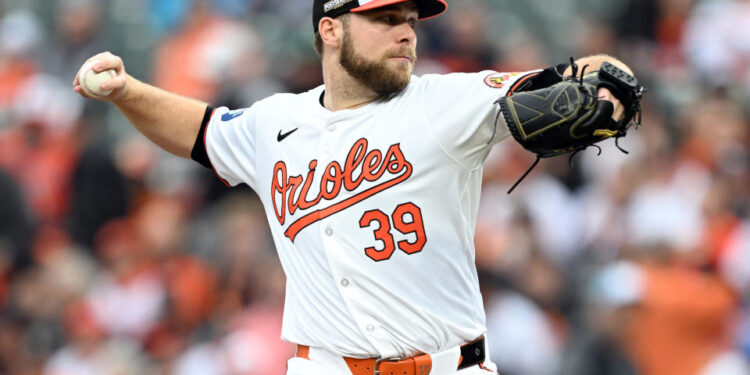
pixel 568 116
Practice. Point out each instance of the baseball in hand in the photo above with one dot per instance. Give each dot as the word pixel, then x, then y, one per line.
pixel 91 81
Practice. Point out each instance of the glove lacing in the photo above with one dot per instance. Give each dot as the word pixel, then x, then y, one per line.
pixel 620 133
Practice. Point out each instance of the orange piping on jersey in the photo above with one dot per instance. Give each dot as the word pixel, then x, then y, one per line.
pixel 520 81
pixel 205 146
pixel 481 366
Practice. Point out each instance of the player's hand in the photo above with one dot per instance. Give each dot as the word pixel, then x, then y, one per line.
pixel 594 63
pixel 605 94
pixel 118 84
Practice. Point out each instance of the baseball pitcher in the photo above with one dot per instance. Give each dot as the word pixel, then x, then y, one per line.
pixel 371 181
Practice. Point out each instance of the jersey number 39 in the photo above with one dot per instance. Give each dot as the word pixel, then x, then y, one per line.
pixel 407 219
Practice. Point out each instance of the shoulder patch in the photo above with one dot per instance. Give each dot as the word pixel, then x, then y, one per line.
pixel 231 115
pixel 498 80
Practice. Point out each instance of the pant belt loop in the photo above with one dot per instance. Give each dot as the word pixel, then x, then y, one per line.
pixel 303 351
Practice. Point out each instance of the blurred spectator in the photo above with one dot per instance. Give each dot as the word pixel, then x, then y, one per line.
pixel 596 36
pixel 696 318
pixel 667 211
pixel 89 352
pixel 15 231
pixel 600 344
pixel 714 135
pixel 522 52
pixel 669 32
pixel 40 150
pixel 253 344
pixel 50 150
pixel 522 339
pixel 38 295
pixel 465 48
pixel 193 61
pixel 128 296
pixel 190 284
pixel 99 194
pixel 20 37
pixel 246 77
pixel 67 269
pixel 248 344
pixel 166 15
pixel 735 260
pixel 716 46
pixel 77 37
pixel 78 34
pixel 727 363
pixel 638 20
pixel 662 331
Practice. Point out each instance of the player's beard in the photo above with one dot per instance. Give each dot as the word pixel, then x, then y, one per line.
pixel 376 74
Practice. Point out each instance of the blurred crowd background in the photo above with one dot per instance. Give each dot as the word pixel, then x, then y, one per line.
pixel 117 258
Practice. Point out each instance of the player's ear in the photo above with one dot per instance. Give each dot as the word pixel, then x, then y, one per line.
pixel 331 32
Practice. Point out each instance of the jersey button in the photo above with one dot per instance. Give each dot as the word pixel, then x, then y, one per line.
pixel 370 327
pixel 344 282
pixel 329 232
pixel 331 127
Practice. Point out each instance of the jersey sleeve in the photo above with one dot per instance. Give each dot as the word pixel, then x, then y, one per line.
pixel 462 113
pixel 229 140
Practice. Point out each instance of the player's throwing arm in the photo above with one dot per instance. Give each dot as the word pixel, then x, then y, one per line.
pixel 169 120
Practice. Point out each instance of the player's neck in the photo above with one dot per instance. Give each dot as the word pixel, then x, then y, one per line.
pixel 343 91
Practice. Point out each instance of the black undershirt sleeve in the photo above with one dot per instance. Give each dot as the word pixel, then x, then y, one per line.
pixel 199 152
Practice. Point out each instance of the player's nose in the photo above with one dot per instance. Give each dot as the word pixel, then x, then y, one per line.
pixel 406 34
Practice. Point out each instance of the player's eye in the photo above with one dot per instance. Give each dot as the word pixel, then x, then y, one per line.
pixel 395 19
pixel 389 19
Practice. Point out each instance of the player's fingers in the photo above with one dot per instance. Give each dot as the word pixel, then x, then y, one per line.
pixel 605 94
pixel 105 61
pixel 114 84
pixel 79 90
pixel 101 62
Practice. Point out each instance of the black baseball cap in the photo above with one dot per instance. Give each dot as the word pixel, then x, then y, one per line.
pixel 335 8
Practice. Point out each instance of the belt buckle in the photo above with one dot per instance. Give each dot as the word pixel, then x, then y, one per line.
pixel 376 370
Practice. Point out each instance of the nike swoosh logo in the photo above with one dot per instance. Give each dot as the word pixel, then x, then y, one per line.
pixel 281 136
pixel 231 115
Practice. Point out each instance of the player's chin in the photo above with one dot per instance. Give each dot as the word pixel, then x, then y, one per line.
pixel 389 84
pixel 401 78
pixel 401 68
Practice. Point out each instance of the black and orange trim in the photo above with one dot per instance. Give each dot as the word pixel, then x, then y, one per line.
pixel 538 80
pixel 199 152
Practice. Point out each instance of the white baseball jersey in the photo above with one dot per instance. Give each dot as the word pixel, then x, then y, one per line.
pixel 372 209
